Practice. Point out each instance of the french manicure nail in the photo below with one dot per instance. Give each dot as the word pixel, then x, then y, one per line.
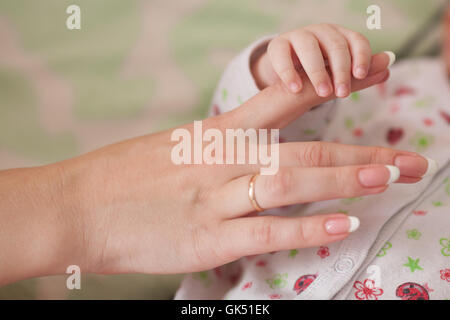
pixel 342 225
pixel 415 166
pixel 432 168
pixel 378 176
pixel 391 57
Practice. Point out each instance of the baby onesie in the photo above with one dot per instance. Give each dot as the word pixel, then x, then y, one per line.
pixel 402 248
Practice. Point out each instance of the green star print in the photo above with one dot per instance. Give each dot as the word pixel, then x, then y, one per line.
pixel 413 264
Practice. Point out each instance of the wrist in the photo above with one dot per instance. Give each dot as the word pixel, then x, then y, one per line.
pixel 37 230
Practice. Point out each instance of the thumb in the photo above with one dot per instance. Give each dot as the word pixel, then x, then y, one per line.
pixel 276 107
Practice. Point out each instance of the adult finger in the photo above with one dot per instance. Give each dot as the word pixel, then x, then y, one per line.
pixel 328 154
pixel 257 235
pixel 293 185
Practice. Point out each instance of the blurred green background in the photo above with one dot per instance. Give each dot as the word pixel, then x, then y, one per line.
pixel 139 66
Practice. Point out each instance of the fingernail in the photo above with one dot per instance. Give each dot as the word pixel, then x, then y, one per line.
pixel 294 87
pixel 324 89
pixel 378 176
pixel 342 90
pixel 341 225
pixel 360 72
pixel 432 168
pixel 391 57
pixel 415 166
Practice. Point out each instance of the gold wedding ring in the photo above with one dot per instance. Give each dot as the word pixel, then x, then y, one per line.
pixel 251 193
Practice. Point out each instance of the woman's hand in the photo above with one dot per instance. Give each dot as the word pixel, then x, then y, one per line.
pixel 127 208
pixel 313 49
pixel 139 212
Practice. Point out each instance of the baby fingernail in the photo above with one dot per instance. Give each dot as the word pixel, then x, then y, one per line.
pixel 342 90
pixel 324 89
pixel 360 72
pixel 341 225
pixel 391 57
pixel 295 87
pixel 415 166
pixel 378 176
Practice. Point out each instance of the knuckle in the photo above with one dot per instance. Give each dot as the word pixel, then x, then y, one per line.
pixel 303 235
pixel 376 154
pixel 280 183
pixel 358 37
pixel 273 44
pixel 314 154
pixel 303 38
pixel 287 74
pixel 338 44
pixel 263 232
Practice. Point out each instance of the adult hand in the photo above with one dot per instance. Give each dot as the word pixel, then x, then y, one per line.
pixel 127 208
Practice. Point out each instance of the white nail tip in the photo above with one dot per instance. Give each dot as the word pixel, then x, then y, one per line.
pixel 354 223
pixel 432 167
pixel 391 57
pixel 394 174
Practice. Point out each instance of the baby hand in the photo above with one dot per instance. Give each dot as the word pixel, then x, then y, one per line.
pixel 314 48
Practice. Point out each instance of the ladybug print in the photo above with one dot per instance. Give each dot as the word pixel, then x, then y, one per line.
pixel 412 291
pixel 303 282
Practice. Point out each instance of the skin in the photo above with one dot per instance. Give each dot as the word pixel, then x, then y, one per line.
pixel 313 48
pixel 126 208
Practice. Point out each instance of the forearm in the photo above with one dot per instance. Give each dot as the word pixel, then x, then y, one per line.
pixel 38 229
